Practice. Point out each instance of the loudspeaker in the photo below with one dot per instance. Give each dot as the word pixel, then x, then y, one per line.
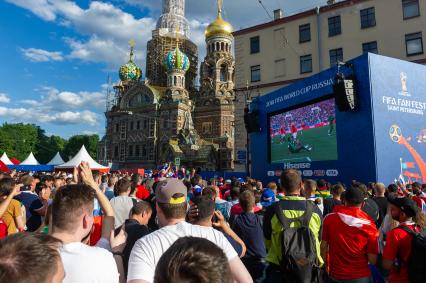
pixel 251 120
pixel 345 93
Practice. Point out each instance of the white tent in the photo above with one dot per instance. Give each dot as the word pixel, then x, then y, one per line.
pixel 57 160
pixel 5 159
pixel 30 160
pixel 81 156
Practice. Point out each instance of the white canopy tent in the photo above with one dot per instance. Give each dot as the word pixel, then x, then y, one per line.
pixel 57 160
pixel 5 159
pixel 81 156
pixel 30 160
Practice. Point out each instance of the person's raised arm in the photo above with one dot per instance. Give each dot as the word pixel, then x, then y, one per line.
pixel 108 221
pixel 221 223
pixel 239 271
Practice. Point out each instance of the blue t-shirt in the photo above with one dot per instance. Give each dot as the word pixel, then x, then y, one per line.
pixel 237 247
pixel 31 202
pixel 249 228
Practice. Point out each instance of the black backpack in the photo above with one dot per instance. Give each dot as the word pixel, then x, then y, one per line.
pixel 417 261
pixel 299 262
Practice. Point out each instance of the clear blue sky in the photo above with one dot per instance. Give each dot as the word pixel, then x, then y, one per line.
pixel 56 55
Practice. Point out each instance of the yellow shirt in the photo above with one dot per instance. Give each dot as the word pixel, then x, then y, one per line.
pixel 13 210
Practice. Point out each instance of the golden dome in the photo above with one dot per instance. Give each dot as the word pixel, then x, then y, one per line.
pixel 219 27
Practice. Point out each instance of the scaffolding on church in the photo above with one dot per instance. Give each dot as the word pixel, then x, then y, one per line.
pixel 157 49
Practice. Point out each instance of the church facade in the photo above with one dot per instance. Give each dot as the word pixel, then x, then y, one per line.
pixel 165 117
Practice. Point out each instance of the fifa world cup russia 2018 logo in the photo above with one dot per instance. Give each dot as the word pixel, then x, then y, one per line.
pixel 395 133
pixel 404 89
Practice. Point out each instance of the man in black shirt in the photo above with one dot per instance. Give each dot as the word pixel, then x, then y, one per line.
pixel 135 227
pixel 381 201
pixel 329 203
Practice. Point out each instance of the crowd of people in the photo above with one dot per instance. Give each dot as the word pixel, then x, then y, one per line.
pixel 176 227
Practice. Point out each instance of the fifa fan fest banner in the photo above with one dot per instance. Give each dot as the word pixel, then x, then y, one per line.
pixel 379 141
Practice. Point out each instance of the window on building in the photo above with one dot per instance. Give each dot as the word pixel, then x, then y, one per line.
pixel 254 45
pixel 116 151
pixel 368 18
pixel 410 9
pixel 305 64
pixel 305 33
pixel 370 47
pixel 223 76
pixel 255 73
pixel 144 150
pixel 137 150
pixel 130 151
pixel 334 26
pixel 280 68
pixel 336 55
pixel 138 125
pixel 116 128
pixel 207 128
pixel 132 125
pixel 414 43
pixel 145 124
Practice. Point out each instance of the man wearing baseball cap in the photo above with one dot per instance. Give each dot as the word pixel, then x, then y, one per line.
pixel 397 251
pixel 171 206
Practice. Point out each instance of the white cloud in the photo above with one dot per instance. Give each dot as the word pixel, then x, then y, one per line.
pixel 4 98
pixel 56 99
pixel 41 8
pixel 36 115
pixel 40 55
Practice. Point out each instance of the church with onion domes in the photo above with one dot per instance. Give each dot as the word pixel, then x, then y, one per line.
pixel 167 117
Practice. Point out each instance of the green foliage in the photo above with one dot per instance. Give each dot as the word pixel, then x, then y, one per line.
pixel 74 144
pixel 18 140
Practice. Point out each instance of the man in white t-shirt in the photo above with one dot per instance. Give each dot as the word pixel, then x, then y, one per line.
pixel 171 197
pixel 72 221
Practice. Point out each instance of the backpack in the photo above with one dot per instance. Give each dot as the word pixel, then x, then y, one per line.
pixel 417 261
pixel 299 263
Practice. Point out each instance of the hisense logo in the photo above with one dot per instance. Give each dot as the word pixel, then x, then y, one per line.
pixel 297 165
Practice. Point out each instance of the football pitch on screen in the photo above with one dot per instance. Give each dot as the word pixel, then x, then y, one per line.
pixel 324 146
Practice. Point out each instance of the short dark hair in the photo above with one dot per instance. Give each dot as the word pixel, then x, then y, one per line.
pixel 354 196
pixel 192 259
pixel 247 200
pixel 70 202
pixel 392 188
pixel 26 179
pixel 337 190
pixel 141 207
pixel 39 187
pixel 123 186
pixel 209 192
pixel 47 178
pixel 235 192
pixel 206 207
pixel 29 257
pixel 173 211
pixel 290 180
pixel 6 186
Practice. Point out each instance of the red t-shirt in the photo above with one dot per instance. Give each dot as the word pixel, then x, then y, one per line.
pixel 348 248
pixel 236 209
pixel 419 201
pixel 142 193
pixel 398 245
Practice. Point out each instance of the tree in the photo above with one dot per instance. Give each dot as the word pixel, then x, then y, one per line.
pixel 18 140
pixel 75 143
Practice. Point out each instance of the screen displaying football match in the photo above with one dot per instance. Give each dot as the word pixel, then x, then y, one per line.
pixel 304 134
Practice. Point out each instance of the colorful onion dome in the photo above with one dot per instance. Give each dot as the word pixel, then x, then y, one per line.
pixel 130 71
pixel 176 60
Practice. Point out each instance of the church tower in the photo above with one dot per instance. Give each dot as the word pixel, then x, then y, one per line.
pixel 214 112
pixel 163 41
